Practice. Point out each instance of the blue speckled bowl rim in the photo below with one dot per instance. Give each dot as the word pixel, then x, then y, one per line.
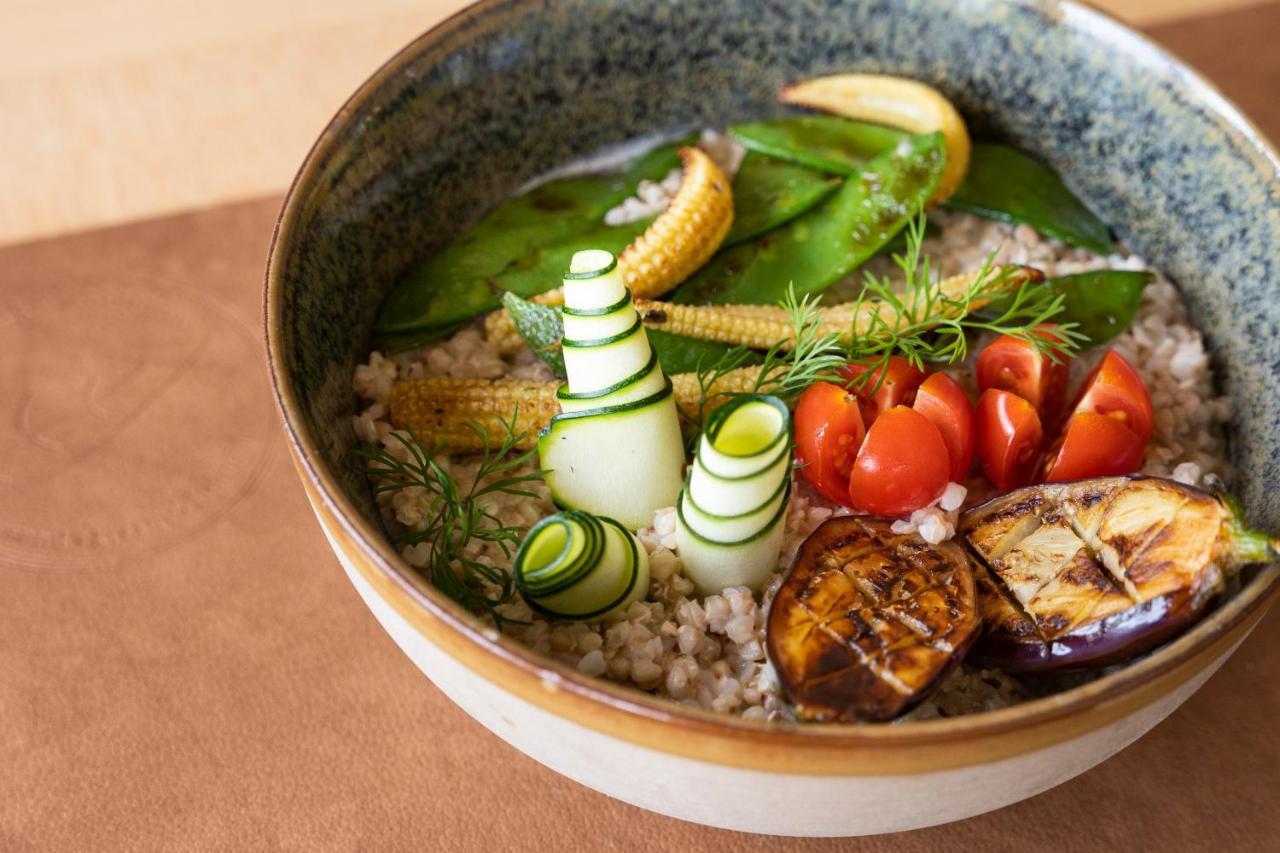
pixel 1257 595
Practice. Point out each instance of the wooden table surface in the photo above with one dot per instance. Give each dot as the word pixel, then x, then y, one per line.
pixel 183 665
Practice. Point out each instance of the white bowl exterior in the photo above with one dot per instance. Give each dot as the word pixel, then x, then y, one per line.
pixel 752 800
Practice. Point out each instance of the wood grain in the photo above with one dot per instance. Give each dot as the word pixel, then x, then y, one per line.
pixel 124 110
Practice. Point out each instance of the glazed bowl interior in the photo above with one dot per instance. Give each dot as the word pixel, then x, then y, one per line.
pixel 504 91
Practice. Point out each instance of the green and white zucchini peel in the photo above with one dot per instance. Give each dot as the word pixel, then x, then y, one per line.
pixel 731 516
pixel 615 449
pixel 644 382
pixel 577 566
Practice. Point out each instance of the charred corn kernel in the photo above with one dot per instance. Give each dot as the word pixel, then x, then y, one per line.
pixel 441 409
pixel 681 239
pixel 686 234
pixel 763 326
pixel 897 102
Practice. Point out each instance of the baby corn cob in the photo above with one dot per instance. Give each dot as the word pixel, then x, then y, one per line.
pixel 681 239
pixel 761 326
pixel 688 395
pixel 441 410
pixel 686 234
pixel 500 330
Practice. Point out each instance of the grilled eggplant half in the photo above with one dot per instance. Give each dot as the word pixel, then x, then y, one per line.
pixel 868 622
pixel 1088 573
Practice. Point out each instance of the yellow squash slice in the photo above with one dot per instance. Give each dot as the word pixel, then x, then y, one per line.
pixel 896 102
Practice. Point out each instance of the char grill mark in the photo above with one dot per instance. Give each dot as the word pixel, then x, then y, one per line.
pixel 1107 568
pixel 869 621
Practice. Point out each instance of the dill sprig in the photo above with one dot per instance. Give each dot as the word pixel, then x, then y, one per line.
pixel 918 321
pixel 926 326
pixel 786 368
pixel 457 514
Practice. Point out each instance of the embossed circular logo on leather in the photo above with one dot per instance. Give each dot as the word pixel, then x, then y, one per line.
pixel 134 415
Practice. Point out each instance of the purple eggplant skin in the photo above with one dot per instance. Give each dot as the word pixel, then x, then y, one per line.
pixel 1080 575
pixel 1113 639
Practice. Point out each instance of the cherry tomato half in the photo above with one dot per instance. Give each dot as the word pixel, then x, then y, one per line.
pixel 942 401
pixel 903 465
pixel 1008 437
pixel 829 432
pixel 1093 445
pixel 1012 364
pixel 1116 390
pixel 901 379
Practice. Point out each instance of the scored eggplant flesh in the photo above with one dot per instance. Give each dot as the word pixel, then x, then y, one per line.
pixel 869 621
pixel 1089 573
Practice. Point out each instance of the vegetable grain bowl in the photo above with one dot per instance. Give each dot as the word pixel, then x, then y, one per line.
pixel 815 421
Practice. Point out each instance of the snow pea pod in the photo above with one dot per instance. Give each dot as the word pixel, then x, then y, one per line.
pixel 683 354
pixel 1007 185
pixel 1101 303
pixel 529 274
pixel 832 238
pixel 768 192
pixel 833 144
pixel 457 283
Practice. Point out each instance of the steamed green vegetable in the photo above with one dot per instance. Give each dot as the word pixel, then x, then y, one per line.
pixel 682 354
pixel 528 276
pixel 1002 183
pixel 833 144
pixel 1101 303
pixel 457 283
pixel 1096 305
pixel 1005 184
pixel 768 192
pixel 822 245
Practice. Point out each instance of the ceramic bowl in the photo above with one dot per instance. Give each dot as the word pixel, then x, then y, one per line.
pixel 504 91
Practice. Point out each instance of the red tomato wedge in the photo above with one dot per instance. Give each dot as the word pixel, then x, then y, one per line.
pixel 901 379
pixel 829 431
pixel 1093 445
pixel 1014 365
pixel 903 465
pixel 1008 438
pixel 942 401
pixel 1116 390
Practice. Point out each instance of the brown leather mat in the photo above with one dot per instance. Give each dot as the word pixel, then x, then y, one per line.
pixel 184 666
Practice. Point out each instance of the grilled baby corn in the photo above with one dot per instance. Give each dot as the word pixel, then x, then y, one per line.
pixel 686 234
pixel 681 239
pixel 761 326
pixel 441 410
